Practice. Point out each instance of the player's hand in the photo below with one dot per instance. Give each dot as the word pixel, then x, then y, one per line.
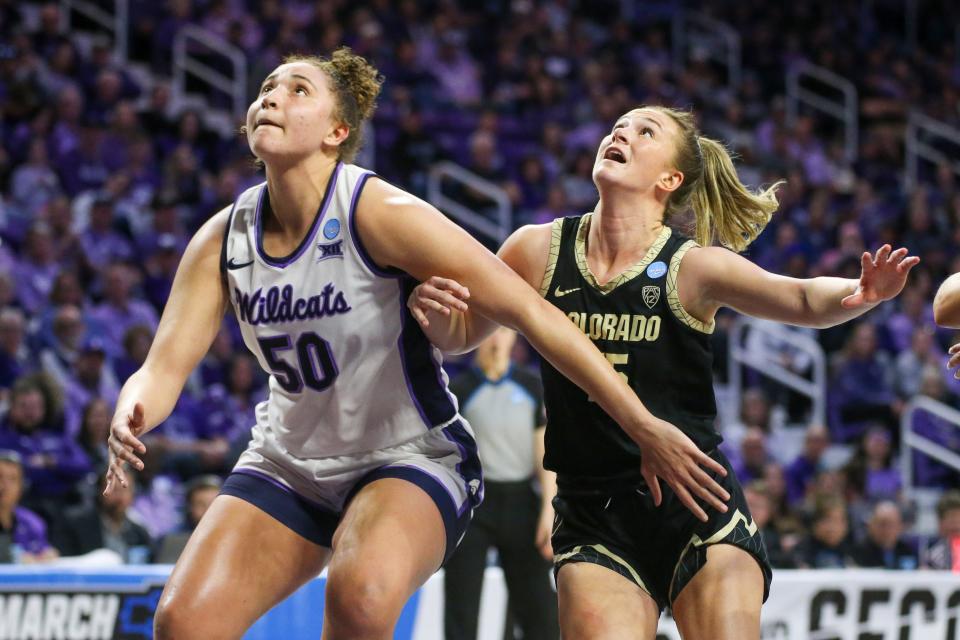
pixel 437 295
pixel 124 446
pixel 669 454
pixel 883 276
pixel 954 361
pixel 545 532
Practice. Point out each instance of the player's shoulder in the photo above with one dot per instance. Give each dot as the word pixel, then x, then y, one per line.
pixel 211 232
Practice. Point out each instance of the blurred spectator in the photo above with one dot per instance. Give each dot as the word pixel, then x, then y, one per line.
pixel 34 184
pixel 910 363
pixel 414 152
pixel 104 525
pixel 136 345
pixel 229 408
pixel 884 546
pixel 827 545
pixel 23 534
pixel 805 466
pixel 761 509
pixel 120 310
pixel 871 473
pixel 101 243
pixel 15 357
pixel 94 430
pixel 944 553
pixel 52 461
pixel 201 492
pixel 861 390
pixel 90 377
pixel 64 344
pixel 161 267
pixel 37 268
pixel 751 463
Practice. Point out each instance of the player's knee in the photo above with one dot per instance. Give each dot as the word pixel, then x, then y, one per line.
pixel 173 618
pixel 588 620
pixel 361 602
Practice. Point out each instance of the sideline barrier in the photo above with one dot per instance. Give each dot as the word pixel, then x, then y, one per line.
pixel 61 603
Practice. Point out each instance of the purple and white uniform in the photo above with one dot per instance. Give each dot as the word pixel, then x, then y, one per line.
pixel 357 392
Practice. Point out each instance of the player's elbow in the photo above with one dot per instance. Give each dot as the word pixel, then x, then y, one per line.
pixel 946 310
pixel 946 303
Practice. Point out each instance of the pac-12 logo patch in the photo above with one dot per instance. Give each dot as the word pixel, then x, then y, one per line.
pixel 651 295
pixel 657 269
pixel 331 229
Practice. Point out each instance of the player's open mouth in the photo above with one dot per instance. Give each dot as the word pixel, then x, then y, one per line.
pixel 615 154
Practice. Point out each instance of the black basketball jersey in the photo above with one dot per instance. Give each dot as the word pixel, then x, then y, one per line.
pixel 637 321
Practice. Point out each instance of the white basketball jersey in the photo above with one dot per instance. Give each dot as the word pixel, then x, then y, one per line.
pixel 350 369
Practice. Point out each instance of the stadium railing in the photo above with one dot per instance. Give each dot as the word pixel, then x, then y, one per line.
pixel 910 440
pixel 115 22
pixel 188 44
pixel 718 40
pixel 836 97
pixel 766 364
pixel 496 229
pixel 932 140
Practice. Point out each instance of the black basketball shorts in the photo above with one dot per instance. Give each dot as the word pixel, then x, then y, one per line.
pixel 660 549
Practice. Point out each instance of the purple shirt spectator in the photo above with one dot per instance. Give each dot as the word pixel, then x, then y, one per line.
pixel 29 531
pixel 804 468
pixel 52 461
pixel 35 272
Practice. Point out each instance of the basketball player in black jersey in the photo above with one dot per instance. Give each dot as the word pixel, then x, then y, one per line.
pixel 647 297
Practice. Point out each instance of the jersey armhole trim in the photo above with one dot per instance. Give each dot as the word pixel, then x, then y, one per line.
pixel 223 249
pixel 368 261
pixel 556 233
pixel 673 296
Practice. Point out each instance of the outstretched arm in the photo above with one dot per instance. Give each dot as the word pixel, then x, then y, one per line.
pixel 713 277
pixel 402 231
pixel 441 306
pixel 187 328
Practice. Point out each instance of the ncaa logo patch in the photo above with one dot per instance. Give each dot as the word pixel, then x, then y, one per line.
pixel 651 295
pixel 331 229
pixel 657 269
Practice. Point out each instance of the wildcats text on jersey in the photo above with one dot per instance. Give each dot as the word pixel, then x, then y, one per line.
pixel 279 305
pixel 623 327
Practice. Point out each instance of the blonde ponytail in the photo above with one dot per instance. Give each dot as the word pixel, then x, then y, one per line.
pixel 726 210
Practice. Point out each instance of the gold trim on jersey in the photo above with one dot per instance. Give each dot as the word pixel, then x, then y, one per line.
pixel 556 231
pixel 723 532
pixel 580 250
pixel 673 297
pixel 602 550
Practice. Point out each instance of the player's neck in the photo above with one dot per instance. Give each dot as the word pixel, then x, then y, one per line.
pixel 623 226
pixel 296 192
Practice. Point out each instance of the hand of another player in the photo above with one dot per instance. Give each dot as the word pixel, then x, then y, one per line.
pixel 669 454
pixel 545 532
pixel 954 361
pixel 883 276
pixel 122 443
pixel 437 295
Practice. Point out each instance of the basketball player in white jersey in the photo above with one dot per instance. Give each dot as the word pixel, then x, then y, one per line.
pixel 359 459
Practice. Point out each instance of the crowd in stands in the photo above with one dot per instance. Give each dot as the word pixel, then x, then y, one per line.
pixel 103 181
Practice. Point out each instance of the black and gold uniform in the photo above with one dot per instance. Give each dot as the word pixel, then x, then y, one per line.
pixel 605 513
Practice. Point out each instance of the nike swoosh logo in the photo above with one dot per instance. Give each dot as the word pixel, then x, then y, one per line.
pixel 237 265
pixel 562 292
